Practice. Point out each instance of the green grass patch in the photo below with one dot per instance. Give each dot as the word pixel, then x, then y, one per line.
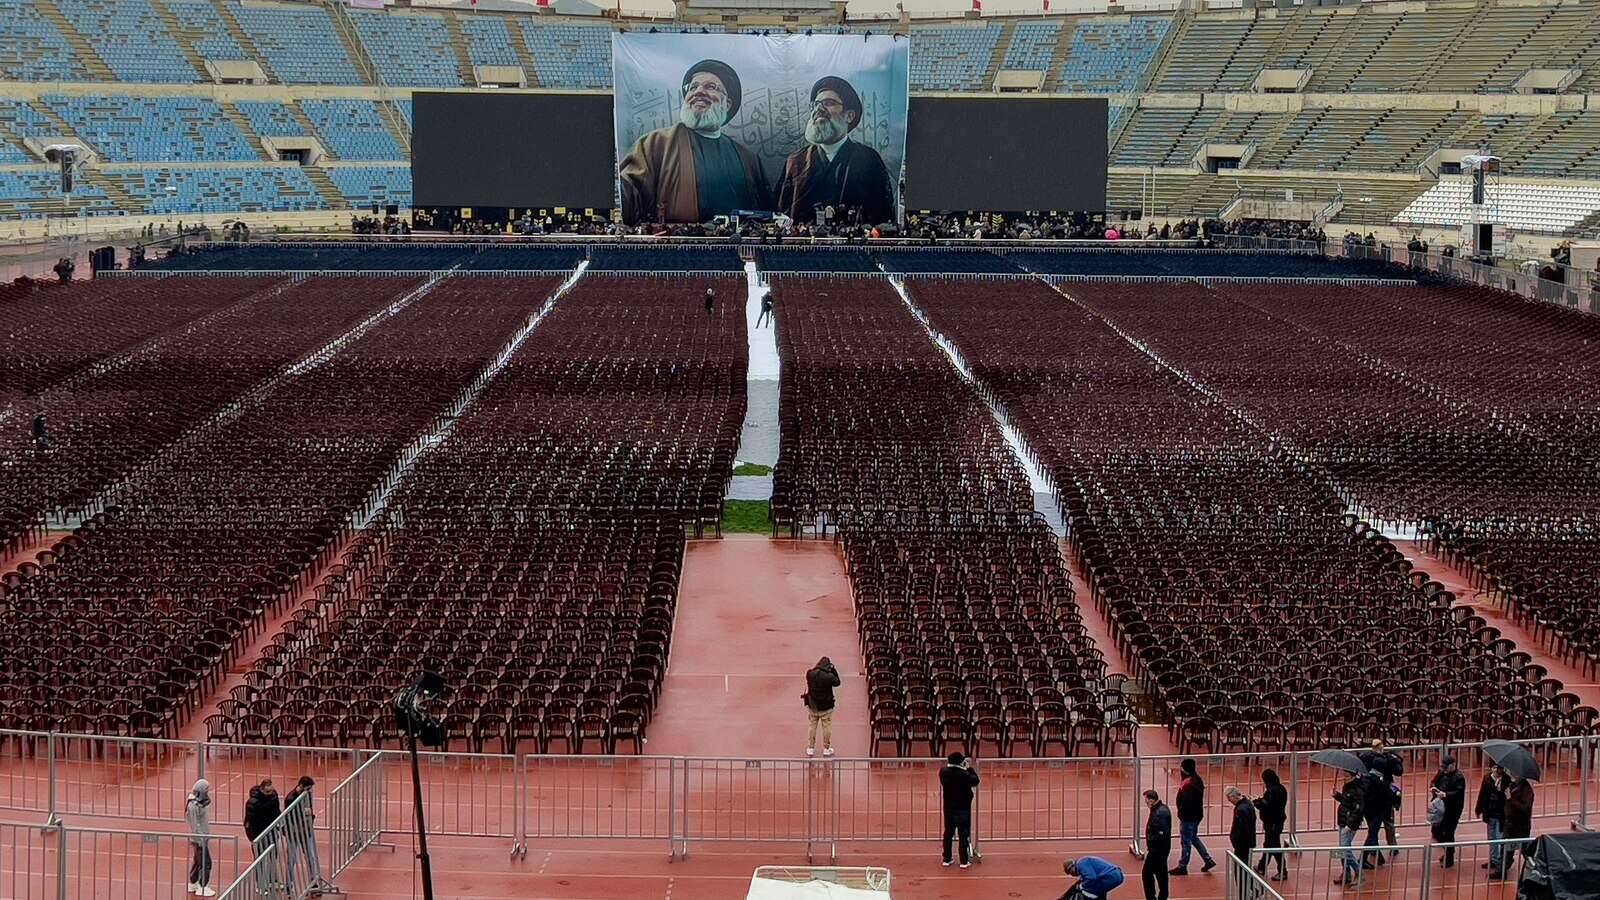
pixel 752 469
pixel 746 517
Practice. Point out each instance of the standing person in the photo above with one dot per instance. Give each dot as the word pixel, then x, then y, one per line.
pixel 1383 767
pixel 1242 832
pixel 1352 800
pixel 301 836
pixel 1519 818
pixel 1096 878
pixel 821 679
pixel 1191 812
pixel 1450 786
pixel 766 310
pixel 41 433
pixel 197 813
pixel 711 300
pixel 1273 806
pixel 260 811
pixel 1491 809
pixel 956 782
pixel 1158 846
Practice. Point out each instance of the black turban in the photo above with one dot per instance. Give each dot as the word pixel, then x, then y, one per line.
pixel 847 94
pixel 730 80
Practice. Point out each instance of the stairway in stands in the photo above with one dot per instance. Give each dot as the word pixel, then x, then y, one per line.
pixel 91 60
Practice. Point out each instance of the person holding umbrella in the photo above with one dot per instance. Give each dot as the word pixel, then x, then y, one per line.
pixel 1352 800
pixel 1523 769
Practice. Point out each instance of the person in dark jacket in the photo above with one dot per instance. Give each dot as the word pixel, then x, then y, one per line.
pixel 711 300
pixel 1352 800
pixel 1242 831
pixel 1450 786
pixel 1519 816
pixel 1191 811
pixel 1385 766
pixel 1157 847
pixel 1273 805
pixel 1491 808
pixel 956 782
pixel 260 811
pixel 821 679
pixel 41 433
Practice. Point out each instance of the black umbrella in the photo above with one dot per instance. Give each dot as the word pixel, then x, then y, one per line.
pixel 1514 758
pixel 1340 759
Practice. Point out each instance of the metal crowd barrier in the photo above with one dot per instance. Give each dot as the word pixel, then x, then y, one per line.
pixel 680 802
pixel 54 862
pixel 355 816
pixel 1408 870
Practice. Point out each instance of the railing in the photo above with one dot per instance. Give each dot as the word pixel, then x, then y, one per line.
pixel 1580 296
pixel 1407 870
pixel 681 801
pixel 55 862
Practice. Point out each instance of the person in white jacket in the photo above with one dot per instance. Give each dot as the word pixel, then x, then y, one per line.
pixel 197 812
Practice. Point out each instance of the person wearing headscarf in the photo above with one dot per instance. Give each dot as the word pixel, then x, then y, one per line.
pixel 197 813
pixel 691 172
pixel 831 169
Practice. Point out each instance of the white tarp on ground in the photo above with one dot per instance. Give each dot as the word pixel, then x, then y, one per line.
pixel 768 889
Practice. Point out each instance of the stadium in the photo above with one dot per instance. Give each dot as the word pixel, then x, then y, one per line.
pixel 1157 442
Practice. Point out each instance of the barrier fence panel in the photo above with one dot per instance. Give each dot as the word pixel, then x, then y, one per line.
pixel 887 799
pixel 257 880
pixel 25 772
pixel 1563 789
pixel 1218 771
pixel 288 840
pixel 29 861
pixel 621 797
pixel 753 800
pixel 105 864
pixel 1056 799
pixel 121 777
pixel 465 794
pixel 233 769
pixel 1245 884
pixel 1407 871
pixel 354 817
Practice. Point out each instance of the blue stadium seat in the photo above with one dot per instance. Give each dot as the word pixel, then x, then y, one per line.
pixel 299 45
pixel 24 121
pixel 489 41
pixel 408 50
pixel 503 258
pixel 130 37
pixel 661 259
pixel 1032 45
pixel 203 26
pixel 34 193
pixel 952 58
pixel 1109 54
pixel 154 129
pixel 269 118
pixel 573 57
pixel 805 259
pixel 352 129
pixel 33 49
pixel 366 185
pixel 215 189
pixel 968 261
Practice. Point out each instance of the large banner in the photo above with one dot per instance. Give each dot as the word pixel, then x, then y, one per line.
pixel 715 124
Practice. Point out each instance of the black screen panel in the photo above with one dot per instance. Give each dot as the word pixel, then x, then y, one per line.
pixel 998 154
pixel 506 149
